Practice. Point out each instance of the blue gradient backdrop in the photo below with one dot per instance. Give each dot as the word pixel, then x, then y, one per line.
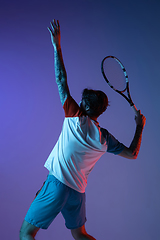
pixel 123 196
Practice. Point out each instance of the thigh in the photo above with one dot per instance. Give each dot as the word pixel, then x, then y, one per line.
pixel 74 211
pixel 47 204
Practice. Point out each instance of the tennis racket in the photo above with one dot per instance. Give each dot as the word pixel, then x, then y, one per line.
pixel 117 78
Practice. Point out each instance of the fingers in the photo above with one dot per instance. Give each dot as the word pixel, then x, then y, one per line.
pixel 55 25
pixel 54 30
pixel 58 24
pixel 138 112
pixel 140 118
pixel 143 120
pixel 49 30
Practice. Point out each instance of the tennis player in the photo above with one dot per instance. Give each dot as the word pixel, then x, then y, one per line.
pixel 81 143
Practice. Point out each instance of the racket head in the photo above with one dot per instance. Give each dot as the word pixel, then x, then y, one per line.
pixel 114 73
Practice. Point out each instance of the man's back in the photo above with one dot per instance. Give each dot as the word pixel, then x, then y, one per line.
pixel 80 145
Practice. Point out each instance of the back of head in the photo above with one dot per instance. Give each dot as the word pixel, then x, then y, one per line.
pixel 96 100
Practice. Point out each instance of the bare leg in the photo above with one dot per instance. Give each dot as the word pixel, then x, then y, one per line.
pixel 81 234
pixel 28 231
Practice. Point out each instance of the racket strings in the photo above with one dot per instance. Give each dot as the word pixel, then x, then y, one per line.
pixel 115 74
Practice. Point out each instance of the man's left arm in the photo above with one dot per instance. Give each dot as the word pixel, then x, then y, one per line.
pixel 60 71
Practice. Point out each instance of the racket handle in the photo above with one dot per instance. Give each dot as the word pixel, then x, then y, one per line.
pixel 134 109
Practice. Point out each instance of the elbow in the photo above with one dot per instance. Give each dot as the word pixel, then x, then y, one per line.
pixel 133 153
pixel 129 153
pixel 134 157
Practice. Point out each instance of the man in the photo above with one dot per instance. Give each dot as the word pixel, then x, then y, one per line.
pixel 81 143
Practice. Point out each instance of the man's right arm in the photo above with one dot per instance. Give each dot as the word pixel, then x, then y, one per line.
pixel 60 71
pixel 133 150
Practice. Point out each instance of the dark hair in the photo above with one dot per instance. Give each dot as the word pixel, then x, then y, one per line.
pixel 96 100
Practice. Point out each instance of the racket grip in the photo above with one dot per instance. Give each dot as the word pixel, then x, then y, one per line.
pixel 134 109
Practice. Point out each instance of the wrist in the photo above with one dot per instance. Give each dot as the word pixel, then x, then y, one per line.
pixel 140 127
pixel 57 47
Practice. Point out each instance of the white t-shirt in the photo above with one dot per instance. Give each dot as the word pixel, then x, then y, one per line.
pixel 80 145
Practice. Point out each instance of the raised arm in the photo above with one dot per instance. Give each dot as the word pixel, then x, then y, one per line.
pixel 133 150
pixel 60 72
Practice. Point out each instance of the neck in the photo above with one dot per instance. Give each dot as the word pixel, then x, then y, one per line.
pixel 94 118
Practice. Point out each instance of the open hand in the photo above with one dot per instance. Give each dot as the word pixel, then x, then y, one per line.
pixel 55 33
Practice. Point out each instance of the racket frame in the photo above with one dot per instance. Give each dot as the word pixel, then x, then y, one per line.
pixel 128 97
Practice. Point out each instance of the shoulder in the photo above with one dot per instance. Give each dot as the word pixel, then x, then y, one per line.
pixel 114 146
pixel 71 108
pixel 105 133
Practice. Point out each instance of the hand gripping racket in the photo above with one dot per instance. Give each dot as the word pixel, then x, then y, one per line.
pixel 116 76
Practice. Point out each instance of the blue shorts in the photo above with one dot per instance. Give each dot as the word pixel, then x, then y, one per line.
pixel 53 198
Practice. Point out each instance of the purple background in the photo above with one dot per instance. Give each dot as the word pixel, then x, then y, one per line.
pixel 122 196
